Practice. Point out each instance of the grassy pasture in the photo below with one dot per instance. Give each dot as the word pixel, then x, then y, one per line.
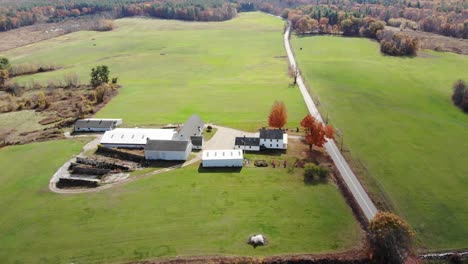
pixel 228 72
pixel 397 117
pixel 181 213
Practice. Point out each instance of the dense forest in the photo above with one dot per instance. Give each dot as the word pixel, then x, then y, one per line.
pixel 445 17
pixel 449 18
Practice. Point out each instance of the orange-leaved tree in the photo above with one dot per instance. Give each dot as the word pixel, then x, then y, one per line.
pixel 315 132
pixel 278 115
pixel 390 238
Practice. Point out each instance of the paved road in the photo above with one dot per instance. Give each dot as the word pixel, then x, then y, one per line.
pixel 349 177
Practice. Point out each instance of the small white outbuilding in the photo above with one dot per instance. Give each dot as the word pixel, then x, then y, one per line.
pixel 222 158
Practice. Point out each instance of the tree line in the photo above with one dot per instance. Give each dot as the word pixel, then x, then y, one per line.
pixel 23 13
pixel 328 21
pixel 449 18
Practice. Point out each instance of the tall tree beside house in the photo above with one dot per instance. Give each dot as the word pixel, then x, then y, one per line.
pixel 315 132
pixel 278 115
pixel 390 238
pixel 99 75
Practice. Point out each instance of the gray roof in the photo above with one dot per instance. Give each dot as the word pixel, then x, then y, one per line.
pixel 271 133
pixel 83 124
pixel 247 141
pixel 197 140
pixel 192 127
pixel 166 145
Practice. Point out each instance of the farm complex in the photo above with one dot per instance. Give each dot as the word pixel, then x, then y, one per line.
pixel 164 165
pixel 251 138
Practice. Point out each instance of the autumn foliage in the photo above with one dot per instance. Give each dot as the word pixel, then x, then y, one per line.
pixel 278 115
pixel 390 238
pixel 315 132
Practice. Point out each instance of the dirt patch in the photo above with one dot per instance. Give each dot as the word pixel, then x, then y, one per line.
pixel 50 110
pixel 436 42
pixel 50 120
pixel 30 34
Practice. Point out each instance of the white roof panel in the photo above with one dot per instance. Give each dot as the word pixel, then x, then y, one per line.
pixel 136 136
pixel 222 154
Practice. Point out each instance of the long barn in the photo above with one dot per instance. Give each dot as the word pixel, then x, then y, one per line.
pixel 134 137
pixel 223 158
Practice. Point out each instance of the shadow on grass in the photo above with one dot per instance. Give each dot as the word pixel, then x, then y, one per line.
pixel 314 182
pixel 202 169
pixel 158 164
pixel 86 133
pixel 269 152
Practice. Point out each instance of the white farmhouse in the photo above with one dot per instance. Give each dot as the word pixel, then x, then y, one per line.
pixel 222 158
pixel 273 139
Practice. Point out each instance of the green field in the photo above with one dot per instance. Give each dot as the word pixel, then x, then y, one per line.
pixel 397 117
pixel 178 213
pixel 230 73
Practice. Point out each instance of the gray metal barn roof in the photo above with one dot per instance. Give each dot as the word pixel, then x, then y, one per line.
pixel 87 123
pixel 166 145
pixel 247 141
pixel 192 127
pixel 271 133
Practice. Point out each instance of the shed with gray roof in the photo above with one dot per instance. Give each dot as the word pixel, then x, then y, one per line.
pixel 167 149
pixel 192 129
pixel 96 125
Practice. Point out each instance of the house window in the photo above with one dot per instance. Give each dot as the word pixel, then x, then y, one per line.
pixel 276 145
pixel 270 145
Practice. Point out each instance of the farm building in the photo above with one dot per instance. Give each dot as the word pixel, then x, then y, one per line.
pixel 167 149
pixel 96 125
pixel 247 143
pixel 192 130
pixel 197 142
pixel 134 137
pixel 273 139
pixel 222 158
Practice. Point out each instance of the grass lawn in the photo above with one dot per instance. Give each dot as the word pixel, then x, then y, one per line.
pixel 229 73
pixel 15 123
pixel 178 213
pixel 397 117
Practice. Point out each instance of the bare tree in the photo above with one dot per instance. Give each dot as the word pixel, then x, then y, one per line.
pixel 293 72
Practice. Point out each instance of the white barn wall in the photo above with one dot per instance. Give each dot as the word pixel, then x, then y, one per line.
pixel 222 158
pixel 168 155
pixel 223 163
pixel 272 143
pixel 247 148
